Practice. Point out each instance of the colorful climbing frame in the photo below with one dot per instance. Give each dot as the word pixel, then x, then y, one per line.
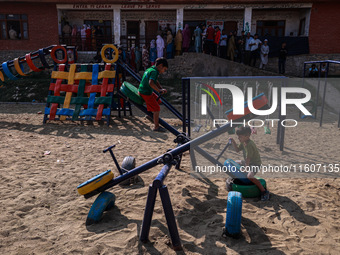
pixel 80 95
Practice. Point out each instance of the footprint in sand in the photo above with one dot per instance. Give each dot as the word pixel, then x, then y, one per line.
pixel 310 206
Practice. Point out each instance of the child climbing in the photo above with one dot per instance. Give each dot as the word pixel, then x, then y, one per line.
pixel 145 90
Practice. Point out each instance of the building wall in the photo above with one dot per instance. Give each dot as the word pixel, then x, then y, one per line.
pixel 42 25
pixel 324 33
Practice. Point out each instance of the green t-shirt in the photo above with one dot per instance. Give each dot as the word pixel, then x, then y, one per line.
pixel 144 86
pixel 251 151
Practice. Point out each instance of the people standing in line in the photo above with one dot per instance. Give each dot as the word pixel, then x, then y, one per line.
pixel 133 58
pixel 153 52
pixel 223 44
pixel 254 49
pixel 83 37
pixel 241 47
pixel 210 39
pixel 178 43
pixel 93 39
pixel 231 46
pixel 160 46
pixel 138 58
pixel 88 32
pixel 169 45
pixel 264 54
pixel 198 39
pixel 145 57
pixel 247 49
pixel 74 34
pixel 217 41
pixel 204 36
pixel 186 38
pixel 282 58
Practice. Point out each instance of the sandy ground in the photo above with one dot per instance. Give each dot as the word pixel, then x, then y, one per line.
pixel 41 212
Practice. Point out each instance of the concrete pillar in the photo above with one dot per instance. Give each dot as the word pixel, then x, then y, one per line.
pixel 59 21
pixel 247 19
pixel 308 13
pixel 179 18
pixel 116 25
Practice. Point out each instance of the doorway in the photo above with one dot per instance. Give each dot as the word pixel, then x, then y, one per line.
pixel 132 34
pixel 151 29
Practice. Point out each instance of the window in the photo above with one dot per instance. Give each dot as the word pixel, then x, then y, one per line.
pixel 270 27
pixel 302 26
pixel 13 26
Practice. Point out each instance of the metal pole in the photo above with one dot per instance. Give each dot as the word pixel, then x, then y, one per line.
pixel 280 116
pixel 158 182
pixel 317 92
pixel 149 207
pixel 184 80
pixel 189 114
pixel 282 129
pixel 324 94
pixel 303 81
pixel 170 218
pixel 282 135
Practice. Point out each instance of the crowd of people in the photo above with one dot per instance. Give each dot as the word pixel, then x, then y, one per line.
pixel 245 48
pixel 86 37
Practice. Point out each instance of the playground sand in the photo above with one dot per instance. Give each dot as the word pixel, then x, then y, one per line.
pixel 41 212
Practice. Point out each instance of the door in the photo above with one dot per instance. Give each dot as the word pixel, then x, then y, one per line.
pixel 132 34
pixel 151 29
pixel 230 26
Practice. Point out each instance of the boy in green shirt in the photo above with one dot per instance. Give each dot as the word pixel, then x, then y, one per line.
pixel 148 84
pixel 251 156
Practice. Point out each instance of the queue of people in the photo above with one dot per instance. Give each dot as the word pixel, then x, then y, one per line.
pixel 87 38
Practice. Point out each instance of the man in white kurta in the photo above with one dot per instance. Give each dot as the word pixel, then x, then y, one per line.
pixel 264 54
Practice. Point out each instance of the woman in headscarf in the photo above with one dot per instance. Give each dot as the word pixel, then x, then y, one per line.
pixel 153 52
pixel 178 42
pixel 83 37
pixel 169 45
pixel 198 40
pixel 132 58
pixel 231 46
pixel 145 57
pixel 138 59
pixel 74 35
pixel 186 38
pixel 160 46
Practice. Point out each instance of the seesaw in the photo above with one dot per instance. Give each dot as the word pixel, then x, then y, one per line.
pixel 168 159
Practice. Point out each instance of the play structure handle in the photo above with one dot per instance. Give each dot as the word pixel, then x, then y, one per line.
pixel 114 158
pixel 109 148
